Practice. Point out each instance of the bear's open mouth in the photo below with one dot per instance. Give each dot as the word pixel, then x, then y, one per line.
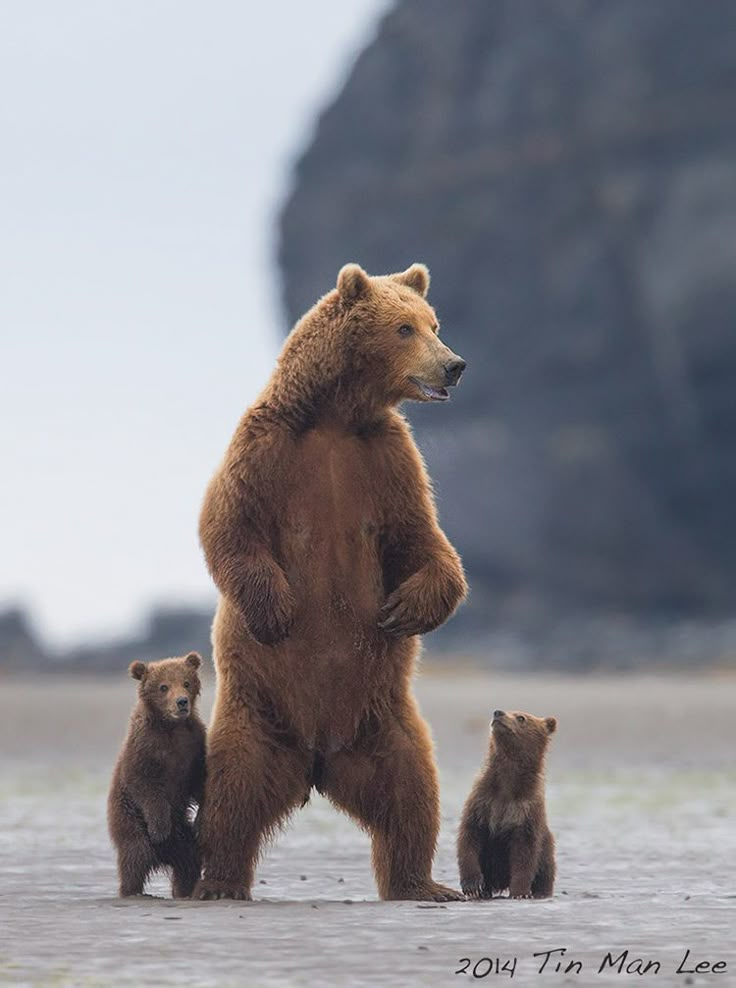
pixel 434 394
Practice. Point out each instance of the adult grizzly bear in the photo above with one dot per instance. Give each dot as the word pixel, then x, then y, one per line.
pixel 321 534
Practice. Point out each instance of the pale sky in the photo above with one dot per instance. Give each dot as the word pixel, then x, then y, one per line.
pixel 146 146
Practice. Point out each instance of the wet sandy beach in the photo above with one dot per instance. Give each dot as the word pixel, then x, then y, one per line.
pixel 641 797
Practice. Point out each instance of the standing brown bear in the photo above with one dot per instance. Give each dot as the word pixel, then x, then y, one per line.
pixel 159 774
pixel 321 534
pixel 504 841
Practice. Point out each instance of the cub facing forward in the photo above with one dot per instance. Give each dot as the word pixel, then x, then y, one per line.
pixel 159 774
pixel 504 841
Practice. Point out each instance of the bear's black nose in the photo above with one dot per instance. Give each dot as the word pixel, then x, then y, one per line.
pixel 498 713
pixel 454 369
pixel 183 702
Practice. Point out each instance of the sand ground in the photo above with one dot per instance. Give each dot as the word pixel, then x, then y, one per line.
pixel 642 798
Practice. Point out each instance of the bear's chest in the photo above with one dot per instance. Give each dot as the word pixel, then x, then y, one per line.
pixel 505 815
pixel 334 488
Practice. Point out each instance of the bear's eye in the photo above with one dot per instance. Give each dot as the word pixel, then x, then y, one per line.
pixel 186 684
pixel 521 719
pixel 164 688
pixel 406 330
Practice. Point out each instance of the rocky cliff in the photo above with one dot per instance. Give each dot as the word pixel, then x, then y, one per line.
pixel 567 168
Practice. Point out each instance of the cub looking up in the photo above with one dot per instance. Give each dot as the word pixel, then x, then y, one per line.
pixel 504 841
pixel 159 774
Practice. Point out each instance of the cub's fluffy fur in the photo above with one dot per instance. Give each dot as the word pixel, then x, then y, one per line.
pixel 158 777
pixel 504 841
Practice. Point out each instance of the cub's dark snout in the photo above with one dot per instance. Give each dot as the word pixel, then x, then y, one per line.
pixel 497 714
pixel 453 370
pixel 183 702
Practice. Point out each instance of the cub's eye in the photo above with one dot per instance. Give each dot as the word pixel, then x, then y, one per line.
pixel 186 684
pixel 406 330
pixel 164 688
pixel 521 719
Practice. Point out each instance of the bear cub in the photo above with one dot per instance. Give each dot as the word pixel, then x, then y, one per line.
pixel 159 775
pixel 504 841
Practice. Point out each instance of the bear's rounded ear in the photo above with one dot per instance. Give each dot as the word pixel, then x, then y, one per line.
pixel 137 670
pixel 194 659
pixel 353 282
pixel 416 277
pixel 551 723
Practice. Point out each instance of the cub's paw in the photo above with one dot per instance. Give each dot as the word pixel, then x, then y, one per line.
pixel 474 888
pixel 427 892
pixel 520 895
pixel 159 831
pixel 207 889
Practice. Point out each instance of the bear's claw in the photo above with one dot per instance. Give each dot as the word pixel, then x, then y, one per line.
pixel 428 892
pixel 474 888
pixel 395 618
pixel 208 890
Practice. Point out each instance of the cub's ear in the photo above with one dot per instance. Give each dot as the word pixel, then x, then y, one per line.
pixel 551 723
pixel 416 277
pixel 194 659
pixel 137 670
pixel 353 282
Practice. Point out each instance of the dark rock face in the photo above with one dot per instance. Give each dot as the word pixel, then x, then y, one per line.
pixel 567 169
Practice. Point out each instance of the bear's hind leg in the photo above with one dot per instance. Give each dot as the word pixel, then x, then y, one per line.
pixel 388 782
pixel 186 862
pixel 253 783
pixel 136 861
pixel 544 880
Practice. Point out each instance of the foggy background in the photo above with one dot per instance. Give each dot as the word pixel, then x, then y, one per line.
pixel 146 147
pixel 180 183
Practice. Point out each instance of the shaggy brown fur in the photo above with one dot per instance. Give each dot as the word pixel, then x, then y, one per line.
pixel 504 841
pixel 158 776
pixel 321 534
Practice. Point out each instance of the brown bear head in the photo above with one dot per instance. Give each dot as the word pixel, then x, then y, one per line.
pixel 396 333
pixel 169 688
pixel 522 736
pixel 369 344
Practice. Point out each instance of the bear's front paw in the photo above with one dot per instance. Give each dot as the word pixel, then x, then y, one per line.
pixel 399 616
pixel 269 632
pixel 474 888
pixel 270 622
pixel 422 602
pixel 427 891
